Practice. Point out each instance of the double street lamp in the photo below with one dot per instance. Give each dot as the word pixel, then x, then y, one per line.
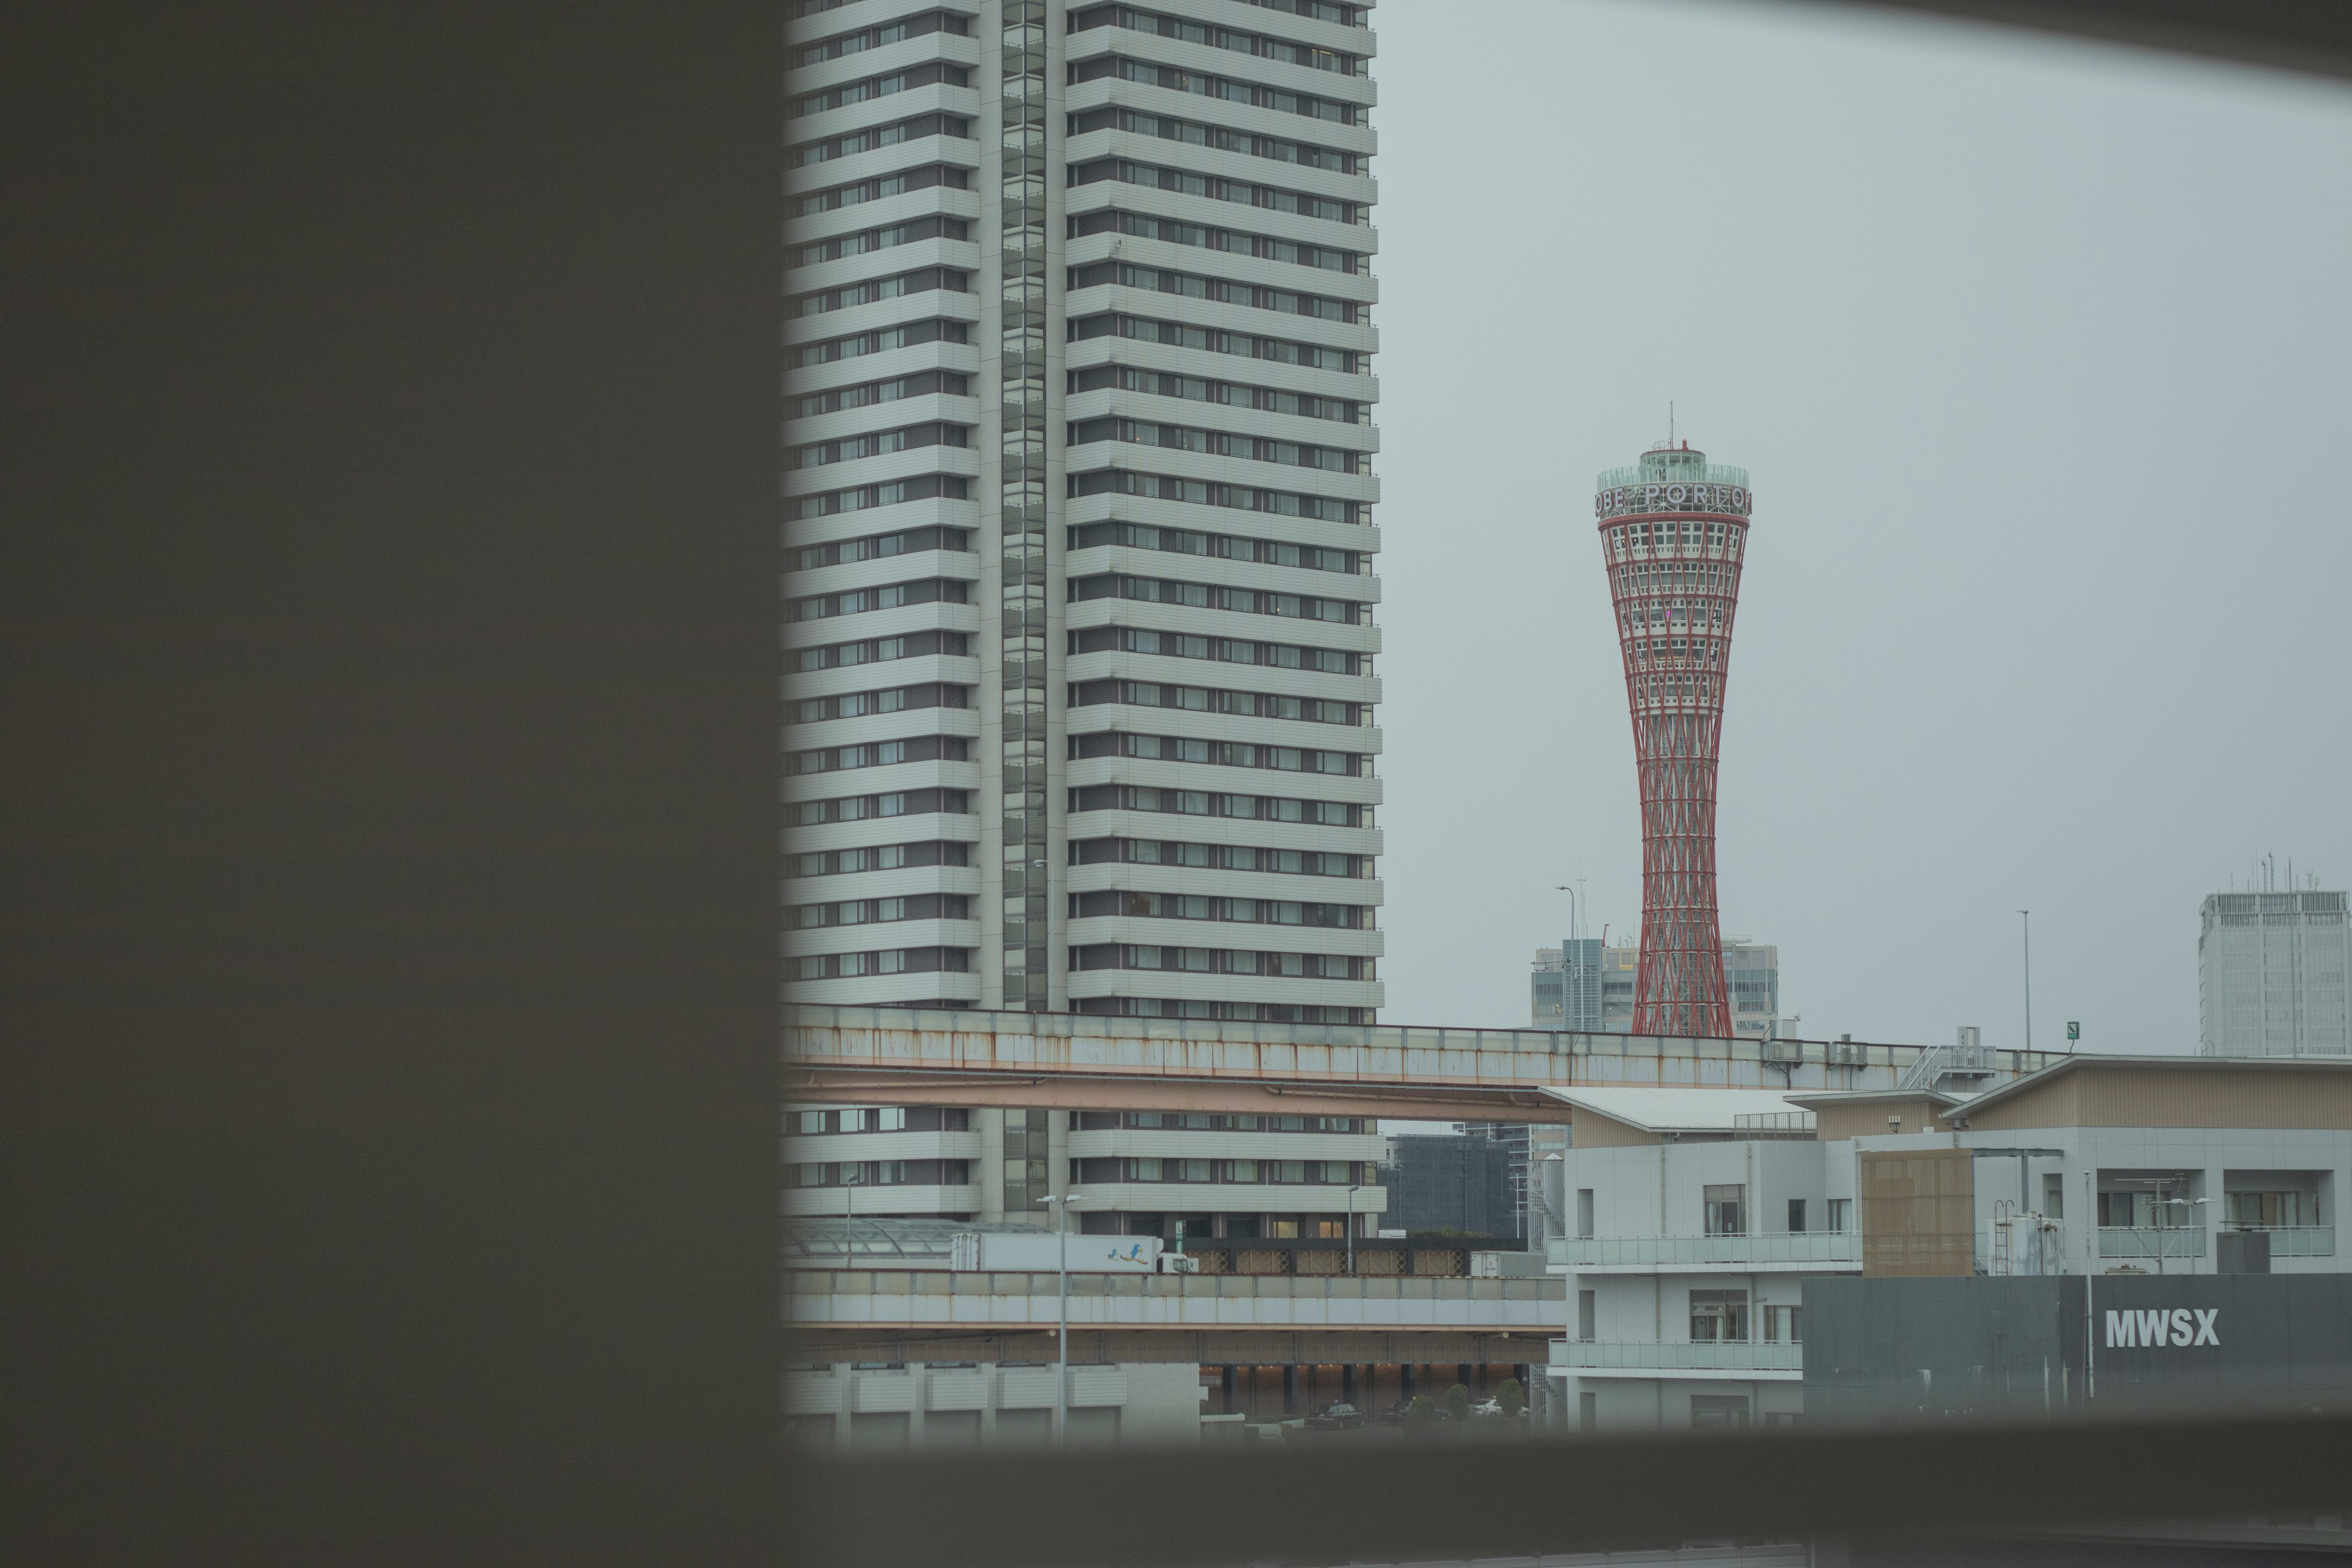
pixel 1061 1204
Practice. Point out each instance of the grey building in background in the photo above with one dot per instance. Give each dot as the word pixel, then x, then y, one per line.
pixel 1455 1182
pixel 2271 975
pixel 1585 986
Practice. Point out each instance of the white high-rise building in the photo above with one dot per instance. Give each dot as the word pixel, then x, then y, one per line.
pixel 1586 986
pixel 2271 975
pixel 1079 572
pixel 1079 541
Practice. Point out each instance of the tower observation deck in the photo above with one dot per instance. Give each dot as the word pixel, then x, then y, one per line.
pixel 1673 534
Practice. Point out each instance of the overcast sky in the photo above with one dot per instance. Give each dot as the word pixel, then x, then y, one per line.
pixel 2041 357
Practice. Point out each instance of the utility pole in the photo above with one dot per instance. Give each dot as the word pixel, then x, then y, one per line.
pixel 2028 915
pixel 1062 1320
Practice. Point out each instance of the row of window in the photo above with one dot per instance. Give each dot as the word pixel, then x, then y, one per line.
pixel 922 383
pixel 1321 10
pixel 923 281
pixel 880 546
pixel 1196 1007
pixel 1215 753
pixel 873 138
pixel 1212 1122
pixel 878 442
pixel 1679 651
pixel 1217 857
pixel 1285 1173
pixel 891 700
pixel 883 1173
pixel 1219 444
pixel 1219 960
pixel 1227 393
pixel 888 961
pixel 1215 341
pixel 891 32
pixel 1209 700
pixel 883 754
pixel 895 803
pixel 1206 597
pixel 882 1119
pixel 1213 802
pixel 1184 29
pixel 1223 290
pixel 1675 577
pixel 880 187
pixel 1225 90
pixel 878 911
pixel 1217 546
pixel 888 596
pixel 1225 650
pixel 1188 183
pixel 930 226
pixel 882 340
pixel 925 74
pixel 1206 237
pixel 858 498
pixel 1207 492
pixel 1224 139
pixel 882 858
pixel 1239 911
pixel 881 650
pixel 1686 534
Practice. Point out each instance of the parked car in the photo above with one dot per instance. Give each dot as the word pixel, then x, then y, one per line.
pixel 1335 1417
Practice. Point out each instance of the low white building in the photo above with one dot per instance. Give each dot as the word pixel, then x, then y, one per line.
pixel 1694 1216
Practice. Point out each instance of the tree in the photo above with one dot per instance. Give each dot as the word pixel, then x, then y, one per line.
pixel 1421 1417
pixel 1458 1402
pixel 1511 1397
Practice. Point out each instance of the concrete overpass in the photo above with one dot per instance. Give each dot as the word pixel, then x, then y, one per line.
pixel 894 1056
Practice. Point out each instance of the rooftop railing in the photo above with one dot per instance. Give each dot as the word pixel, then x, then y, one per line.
pixel 1827 1247
pixel 1707 1355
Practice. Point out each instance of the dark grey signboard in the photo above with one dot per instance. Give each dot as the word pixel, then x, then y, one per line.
pixel 1880 1349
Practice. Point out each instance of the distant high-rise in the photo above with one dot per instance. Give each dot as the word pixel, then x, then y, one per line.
pixel 2271 975
pixel 1078 509
pixel 1589 987
pixel 1673 532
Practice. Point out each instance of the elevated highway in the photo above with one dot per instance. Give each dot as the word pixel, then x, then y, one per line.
pixel 891 1056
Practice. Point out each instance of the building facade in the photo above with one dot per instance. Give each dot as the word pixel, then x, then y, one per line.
pixel 1697 1217
pixel 1078 528
pixel 1449 1182
pixel 1587 986
pixel 2271 975
pixel 1672 531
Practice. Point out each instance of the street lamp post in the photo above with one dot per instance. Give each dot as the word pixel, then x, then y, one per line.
pixel 1352 1228
pixel 1062 1320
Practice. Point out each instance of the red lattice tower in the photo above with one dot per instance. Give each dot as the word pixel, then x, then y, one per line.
pixel 1673 534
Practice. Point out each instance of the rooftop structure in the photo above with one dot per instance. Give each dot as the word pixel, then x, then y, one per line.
pixel 1673 532
pixel 2271 975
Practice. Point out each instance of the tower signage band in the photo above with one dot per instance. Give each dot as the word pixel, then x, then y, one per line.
pixel 1622 499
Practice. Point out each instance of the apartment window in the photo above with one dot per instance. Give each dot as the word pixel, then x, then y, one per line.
pixel 812 1120
pixel 1719 1315
pixel 1796 1217
pixel 1584 1212
pixel 1727 1209
pixel 1587 1318
pixel 1840 1216
pixel 1784 1325
pixel 2054 1195
pixel 2272 1210
pixel 1718 1410
pixel 890 1119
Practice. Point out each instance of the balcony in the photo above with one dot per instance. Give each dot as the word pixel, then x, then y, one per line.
pixel 2150 1241
pixel 2292 1240
pixel 1823 1250
pixel 1777 1361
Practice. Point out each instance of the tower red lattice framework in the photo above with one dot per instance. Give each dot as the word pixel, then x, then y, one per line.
pixel 1673 534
